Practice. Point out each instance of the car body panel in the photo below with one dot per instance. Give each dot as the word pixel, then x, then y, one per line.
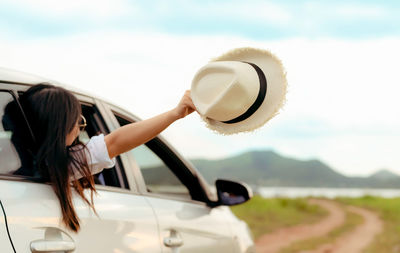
pixel 242 237
pixel 201 228
pixel 125 222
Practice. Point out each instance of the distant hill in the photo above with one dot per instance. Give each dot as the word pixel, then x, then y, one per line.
pixel 267 168
pixel 384 175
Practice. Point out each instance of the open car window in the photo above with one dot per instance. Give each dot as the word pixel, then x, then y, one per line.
pixel 95 125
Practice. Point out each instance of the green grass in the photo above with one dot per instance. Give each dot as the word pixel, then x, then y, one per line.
pixel 352 220
pixel 266 215
pixel 389 211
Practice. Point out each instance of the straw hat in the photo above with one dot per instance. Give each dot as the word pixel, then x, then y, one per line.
pixel 240 90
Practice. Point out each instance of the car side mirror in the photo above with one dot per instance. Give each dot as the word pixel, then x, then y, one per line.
pixel 232 193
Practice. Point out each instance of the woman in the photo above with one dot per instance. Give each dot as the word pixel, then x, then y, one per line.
pixel 54 116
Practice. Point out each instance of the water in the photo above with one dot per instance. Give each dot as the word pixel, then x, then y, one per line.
pixel 299 192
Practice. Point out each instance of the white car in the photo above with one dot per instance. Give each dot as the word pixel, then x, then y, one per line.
pixel 153 200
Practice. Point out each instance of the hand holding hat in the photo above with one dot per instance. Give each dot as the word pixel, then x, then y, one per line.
pixel 185 106
pixel 240 90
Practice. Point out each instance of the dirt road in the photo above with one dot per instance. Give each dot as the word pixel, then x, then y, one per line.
pixel 356 240
pixel 352 243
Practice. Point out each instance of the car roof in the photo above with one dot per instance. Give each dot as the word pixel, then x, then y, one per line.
pixel 10 75
pixel 19 77
pixel 24 78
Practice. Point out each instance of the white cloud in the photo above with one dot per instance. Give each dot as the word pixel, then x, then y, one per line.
pixel 346 10
pixel 258 11
pixel 89 9
pixel 361 11
pixel 351 86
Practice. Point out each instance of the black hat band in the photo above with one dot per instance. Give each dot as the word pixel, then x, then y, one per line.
pixel 259 100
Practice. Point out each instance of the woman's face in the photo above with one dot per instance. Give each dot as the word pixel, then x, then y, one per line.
pixel 78 127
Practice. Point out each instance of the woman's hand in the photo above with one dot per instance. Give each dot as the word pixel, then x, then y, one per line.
pixel 185 106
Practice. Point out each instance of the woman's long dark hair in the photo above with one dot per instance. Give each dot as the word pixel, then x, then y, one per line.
pixel 52 113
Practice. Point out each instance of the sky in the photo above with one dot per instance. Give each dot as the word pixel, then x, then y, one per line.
pixel 341 59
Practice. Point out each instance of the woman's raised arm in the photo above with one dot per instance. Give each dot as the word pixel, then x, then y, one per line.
pixel 132 135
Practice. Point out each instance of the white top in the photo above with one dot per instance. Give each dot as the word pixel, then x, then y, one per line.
pixel 96 155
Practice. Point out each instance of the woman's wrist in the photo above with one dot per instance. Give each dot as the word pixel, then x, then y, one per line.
pixel 174 114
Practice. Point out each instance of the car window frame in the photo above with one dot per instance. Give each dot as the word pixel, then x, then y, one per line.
pixel 112 125
pixel 208 197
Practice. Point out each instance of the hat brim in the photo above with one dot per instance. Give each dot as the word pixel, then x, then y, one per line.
pixel 276 90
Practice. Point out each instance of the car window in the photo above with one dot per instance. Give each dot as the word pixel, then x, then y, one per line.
pixel 157 174
pixel 95 125
pixel 10 160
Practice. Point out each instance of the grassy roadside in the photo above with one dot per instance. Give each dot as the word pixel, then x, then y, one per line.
pixel 389 211
pixel 352 220
pixel 266 215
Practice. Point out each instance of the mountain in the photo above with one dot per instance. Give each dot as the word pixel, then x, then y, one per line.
pixel 267 168
pixel 384 175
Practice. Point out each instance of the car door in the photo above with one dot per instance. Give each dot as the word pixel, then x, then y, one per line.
pixel 125 221
pixel 186 223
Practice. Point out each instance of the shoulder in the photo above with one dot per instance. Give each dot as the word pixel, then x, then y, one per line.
pixel 98 151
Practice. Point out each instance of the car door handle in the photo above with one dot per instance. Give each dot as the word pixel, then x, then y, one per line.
pixel 53 241
pixel 52 246
pixel 174 240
